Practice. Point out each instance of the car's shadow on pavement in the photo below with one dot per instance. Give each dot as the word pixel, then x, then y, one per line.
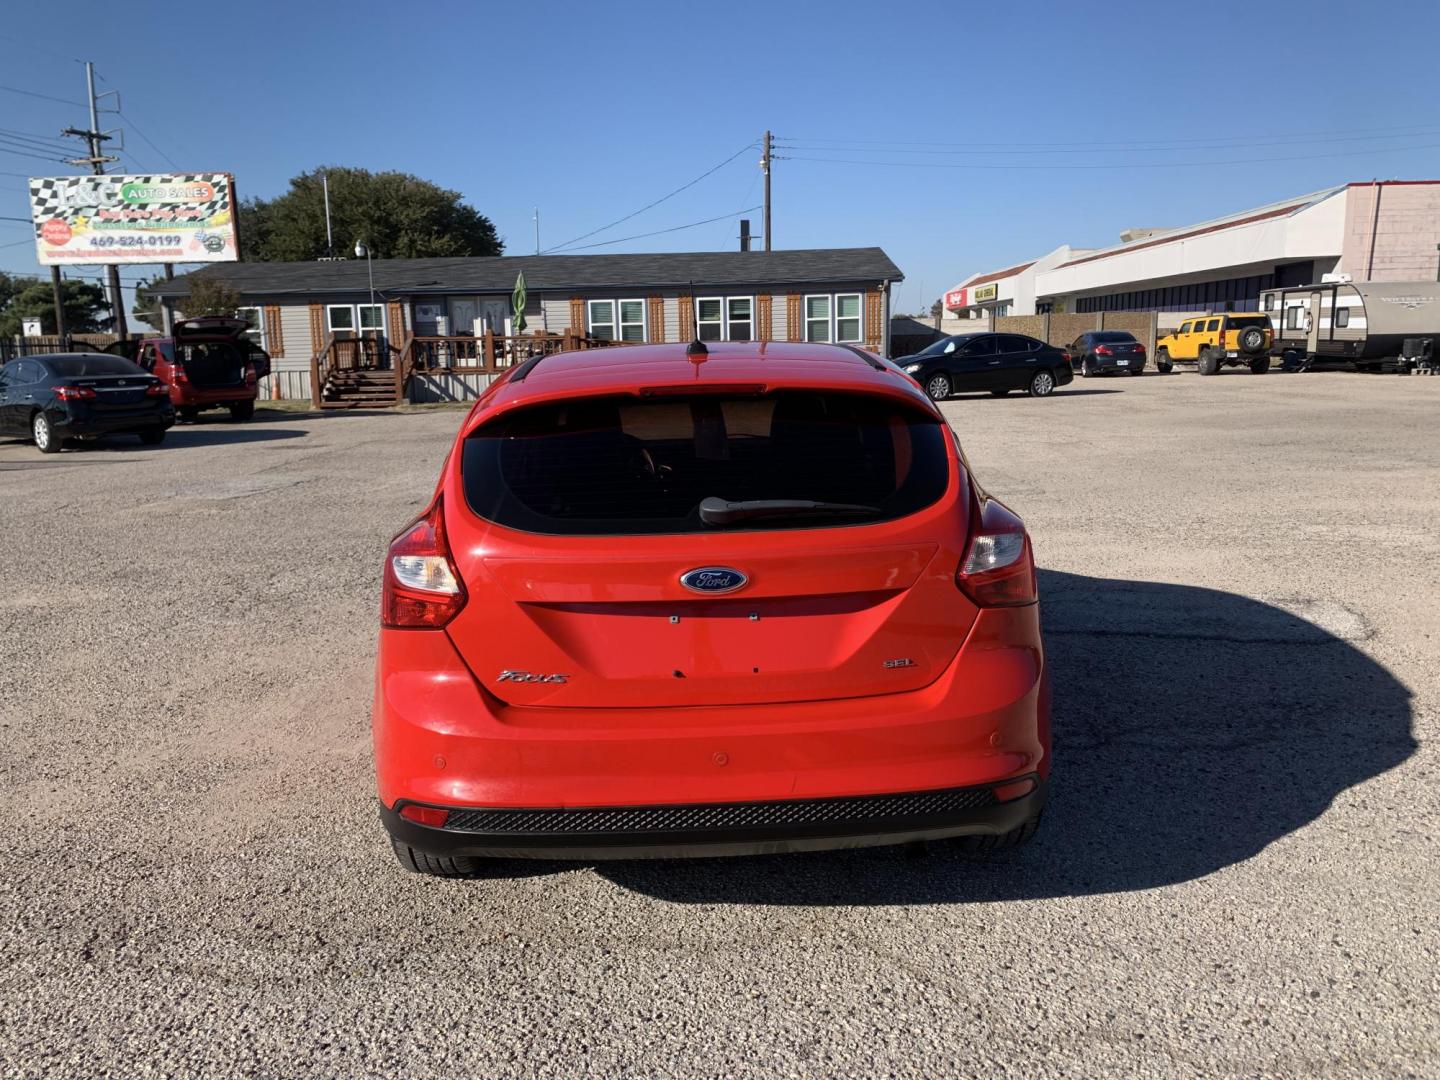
pixel 1192 728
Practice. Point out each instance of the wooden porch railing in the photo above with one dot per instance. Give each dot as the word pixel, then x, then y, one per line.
pixel 490 353
pixel 485 354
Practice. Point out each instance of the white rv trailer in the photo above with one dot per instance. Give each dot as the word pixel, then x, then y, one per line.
pixel 1365 322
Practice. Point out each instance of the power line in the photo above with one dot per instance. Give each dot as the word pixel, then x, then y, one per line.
pixel 649 206
pixel 673 228
pixel 44 141
pixel 26 153
pixel 1058 166
pixel 1157 149
pixel 43 97
pixel 1301 135
pixel 168 159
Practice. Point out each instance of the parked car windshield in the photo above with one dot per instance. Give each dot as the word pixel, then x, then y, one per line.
pixel 599 466
pixel 1239 322
pixel 85 365
pixel 1109 337
pixel 939 348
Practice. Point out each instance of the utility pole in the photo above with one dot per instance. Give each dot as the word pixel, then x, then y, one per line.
pixel 97 161
pixel 59 306
pixel 765 164
pixel 329 239
pixel 537 230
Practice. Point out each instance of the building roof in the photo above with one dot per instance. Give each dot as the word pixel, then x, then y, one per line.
pixel 1230 221
pixel 496 274
pixel 996 275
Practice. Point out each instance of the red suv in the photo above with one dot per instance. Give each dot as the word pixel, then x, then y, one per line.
pixel 670 601
pixel 207 364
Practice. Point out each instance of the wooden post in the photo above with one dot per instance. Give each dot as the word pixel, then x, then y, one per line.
pixel 489 341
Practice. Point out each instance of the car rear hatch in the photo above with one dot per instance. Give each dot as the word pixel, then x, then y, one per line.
pixel 213 351
pixel 580 526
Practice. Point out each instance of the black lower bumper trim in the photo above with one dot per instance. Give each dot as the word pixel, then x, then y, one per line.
pixel 627 832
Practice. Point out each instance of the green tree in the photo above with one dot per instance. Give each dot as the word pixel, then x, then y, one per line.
pixel 399 216
pixel 85 308
pixel 209 296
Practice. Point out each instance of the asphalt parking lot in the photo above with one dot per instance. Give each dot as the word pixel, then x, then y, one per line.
pixel 1237 875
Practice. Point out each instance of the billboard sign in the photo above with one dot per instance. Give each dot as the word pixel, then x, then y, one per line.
pixel 156 218
pixel 981 293
pixel 955 300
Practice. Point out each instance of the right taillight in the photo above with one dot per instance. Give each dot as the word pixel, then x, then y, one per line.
pixel 998 569
pixel 422 588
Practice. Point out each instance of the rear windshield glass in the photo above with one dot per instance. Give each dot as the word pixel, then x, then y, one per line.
pixel 1239 322
pixel 1111 336
pixel 598 466
pixel 80 367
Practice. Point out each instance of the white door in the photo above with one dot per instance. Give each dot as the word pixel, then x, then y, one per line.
pixel 495 313
pixel 462 316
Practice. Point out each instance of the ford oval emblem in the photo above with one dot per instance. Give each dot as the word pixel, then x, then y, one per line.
pixel 714 579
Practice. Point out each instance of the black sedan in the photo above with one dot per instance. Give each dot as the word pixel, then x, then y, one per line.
pixel 65 395
pixel 1105 352
pixel 999 363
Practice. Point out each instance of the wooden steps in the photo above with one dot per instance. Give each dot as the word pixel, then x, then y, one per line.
pixel 359 389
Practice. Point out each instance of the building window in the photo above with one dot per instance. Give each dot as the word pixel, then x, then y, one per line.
pixel 255 325
pixel 1342 317
pixel 709 318
pixel 817 318
pixel 343 320
pixel 740 318
pixel 616 320
pixel 847 317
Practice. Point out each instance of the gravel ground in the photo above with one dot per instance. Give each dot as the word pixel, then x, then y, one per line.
pixel 1237 875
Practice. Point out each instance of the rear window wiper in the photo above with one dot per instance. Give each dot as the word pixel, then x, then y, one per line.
pixel 714 511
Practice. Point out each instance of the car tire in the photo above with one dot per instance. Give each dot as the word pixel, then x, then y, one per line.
pixel 43 432
pixel 1251 339
pixel 938 386
pixel 1260 365
pixel 241 411
pixel 1042 384
pixel 1085 369
pixel 445 866
pixel 152 436
pixel 984 846
pixel 1000 393
pixel 1163 363
pixel 1208 363
pixel 188 413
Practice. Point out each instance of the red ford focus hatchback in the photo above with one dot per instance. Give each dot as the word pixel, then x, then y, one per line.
pixel 672 602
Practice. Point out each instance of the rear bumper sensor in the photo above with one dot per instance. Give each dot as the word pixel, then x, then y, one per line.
pixel 629 832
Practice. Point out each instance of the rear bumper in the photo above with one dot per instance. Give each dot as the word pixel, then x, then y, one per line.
pixel 442 740
pixel 87 423
pixel 715 829
pixel 191 398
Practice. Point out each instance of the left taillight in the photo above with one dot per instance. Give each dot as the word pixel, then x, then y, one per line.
pixel 157 389
pixel 422 588
pixel 999 568
pixel 75 393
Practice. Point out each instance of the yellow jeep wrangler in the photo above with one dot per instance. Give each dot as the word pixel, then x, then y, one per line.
pixel 1218 340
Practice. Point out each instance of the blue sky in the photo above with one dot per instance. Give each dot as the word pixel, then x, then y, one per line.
pixel 591 110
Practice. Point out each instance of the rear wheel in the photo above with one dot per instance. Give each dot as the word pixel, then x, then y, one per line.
pixel 988 845
pixel 1260 365
pixel 938 386
pixel 1041 384
pixel 242 410
pixel 446 866
pixel 152 436
pixel 1085 369
pixel 1163 363
pixel 1209 363
pixel 46 441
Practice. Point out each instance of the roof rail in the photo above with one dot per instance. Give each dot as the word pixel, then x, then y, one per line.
pixel 863 355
